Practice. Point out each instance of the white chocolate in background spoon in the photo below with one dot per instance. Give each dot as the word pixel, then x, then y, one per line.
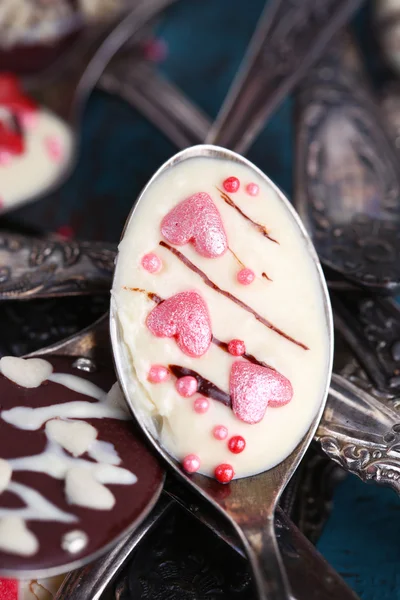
pixel 288 295
pixel 48 151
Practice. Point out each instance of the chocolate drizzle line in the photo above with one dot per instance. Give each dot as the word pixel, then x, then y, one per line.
pixel 230 296
pixel 214 340
pixel 261 228
pixel 206 387
pixel 150 295
pixel 263 274
pixel 246 355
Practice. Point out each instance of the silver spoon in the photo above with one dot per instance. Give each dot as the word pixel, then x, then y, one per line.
pixel 251 502
pixel 86 355
pixel 310 575
pixel 66 85
pixel 347 175
pixel 289 39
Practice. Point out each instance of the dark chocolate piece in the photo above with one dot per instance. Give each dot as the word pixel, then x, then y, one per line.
pixel 102 526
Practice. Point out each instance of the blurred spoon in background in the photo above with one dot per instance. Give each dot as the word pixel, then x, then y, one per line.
pixel 347 187
pixel 49 131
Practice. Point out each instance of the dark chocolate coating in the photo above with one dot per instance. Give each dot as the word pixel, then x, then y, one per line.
pixel 101 526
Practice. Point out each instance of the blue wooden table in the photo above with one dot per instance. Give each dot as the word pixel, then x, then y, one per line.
pixel 120 150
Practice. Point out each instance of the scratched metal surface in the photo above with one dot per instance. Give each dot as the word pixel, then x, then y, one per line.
pixel 120 151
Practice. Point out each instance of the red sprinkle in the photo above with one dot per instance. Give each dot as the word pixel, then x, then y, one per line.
pixel 201 405
pixel 151 262
pixel 252 189
pixel 220 432
pixel 245 276
pixel 5 158
pixel 155 50
pixel 237 444
pixel 236 347
pixel 11 141
pixel 232 184
pixel 12 95
pixel 186 386
pixel 191 463
pixel 65 231
pixel 224 473
pixel 9 589
pixel 158 374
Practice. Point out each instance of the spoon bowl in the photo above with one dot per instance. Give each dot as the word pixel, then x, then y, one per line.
pixel 249 503
pixel 68 534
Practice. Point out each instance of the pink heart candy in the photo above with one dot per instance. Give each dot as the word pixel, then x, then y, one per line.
pixel 196 220
pixel 184 317
pixel 253 388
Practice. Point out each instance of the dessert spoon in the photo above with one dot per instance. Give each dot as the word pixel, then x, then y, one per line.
pixel 289 38
pixel 248 503
pixel 86 355
pixel 91 346
pixel 64 87
pixel 347 176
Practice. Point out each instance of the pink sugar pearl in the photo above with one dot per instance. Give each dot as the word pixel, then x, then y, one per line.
pixel 186 386
pixel 5 158
pixel 54 148
pixel 191 463
pixel 236 347
pixel 252 189
pixel 201 405
pixel 245 276
pixel 158 374
pixel 220 432
pixel 29 119
pixel 151 262
pixel 231 185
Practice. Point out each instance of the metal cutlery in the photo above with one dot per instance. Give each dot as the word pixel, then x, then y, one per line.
pixel 290 37
pixel 250 502
pixel 64 87
pixel 347 177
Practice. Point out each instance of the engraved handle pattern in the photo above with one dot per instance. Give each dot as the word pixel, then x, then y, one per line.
pixel 49 267
pixel 362 433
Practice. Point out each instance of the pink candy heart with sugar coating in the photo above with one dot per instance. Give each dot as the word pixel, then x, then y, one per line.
pixel 196 220
pixel 253 388
pixel 184 317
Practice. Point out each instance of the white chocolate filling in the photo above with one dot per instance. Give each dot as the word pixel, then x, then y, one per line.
pixel 292 300
pixel 48 151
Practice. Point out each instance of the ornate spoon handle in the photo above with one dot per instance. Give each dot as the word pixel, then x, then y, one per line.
pixel 42 268
pixel 290 38
pixel 361 433
pixel 311 576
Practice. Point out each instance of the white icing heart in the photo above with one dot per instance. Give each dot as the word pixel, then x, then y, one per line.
pixel 82 488
pixel 27 372
pixel 16 538
pixel 5 474
pixel 74 436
